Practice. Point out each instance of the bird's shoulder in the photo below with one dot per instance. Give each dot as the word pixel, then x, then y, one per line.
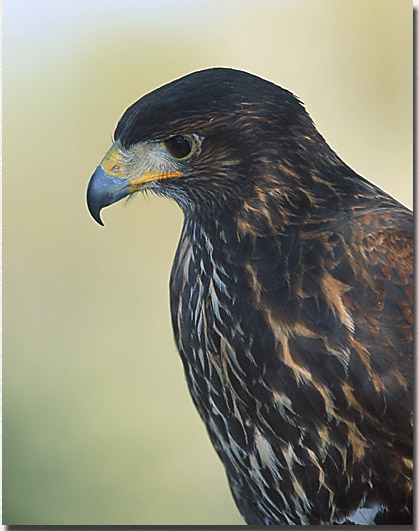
pixel 338 301
pixel 380 248
pixel 386 231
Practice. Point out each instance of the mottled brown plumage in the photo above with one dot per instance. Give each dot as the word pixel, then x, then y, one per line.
pixel 291 297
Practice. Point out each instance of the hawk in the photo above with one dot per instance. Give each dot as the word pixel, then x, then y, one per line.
pixel 291 297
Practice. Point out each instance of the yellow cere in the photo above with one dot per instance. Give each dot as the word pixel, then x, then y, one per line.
pixel 112 162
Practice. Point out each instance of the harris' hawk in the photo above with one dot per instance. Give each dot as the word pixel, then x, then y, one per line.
pixel 291 297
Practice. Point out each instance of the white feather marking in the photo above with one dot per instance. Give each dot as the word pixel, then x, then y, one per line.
pixel 364 515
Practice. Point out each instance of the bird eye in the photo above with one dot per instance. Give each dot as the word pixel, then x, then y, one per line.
pixel 178 146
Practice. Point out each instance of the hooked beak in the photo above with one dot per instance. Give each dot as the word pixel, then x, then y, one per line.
pixel 104 190
pixel 109 184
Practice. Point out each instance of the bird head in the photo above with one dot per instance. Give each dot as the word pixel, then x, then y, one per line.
pixel 206 140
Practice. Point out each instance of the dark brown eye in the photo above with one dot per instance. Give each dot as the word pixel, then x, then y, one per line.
pixel 178 146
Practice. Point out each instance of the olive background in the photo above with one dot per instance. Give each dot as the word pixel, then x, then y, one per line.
pixel 98 425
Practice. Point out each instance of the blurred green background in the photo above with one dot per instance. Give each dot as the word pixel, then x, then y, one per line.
pixel 98 426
